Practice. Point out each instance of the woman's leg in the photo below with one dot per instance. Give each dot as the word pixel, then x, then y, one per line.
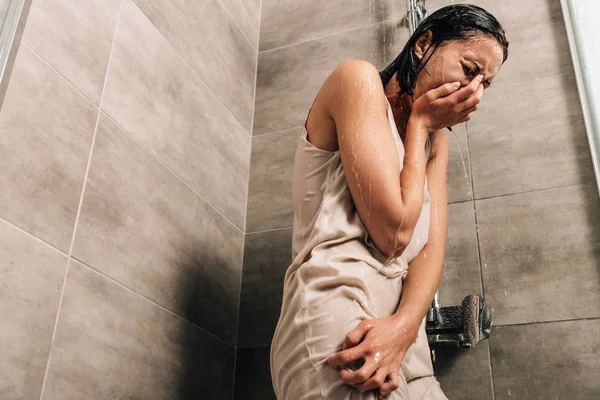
pixel 313 326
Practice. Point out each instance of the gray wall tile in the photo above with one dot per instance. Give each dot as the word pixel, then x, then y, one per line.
pixel 540 253
pixel 3 8
pixel 270 186
pixel 434 5
pixel 286 22
pixel 143 227
pixel 267 255
pixel 246 15
pixel 154 95
pixel 465 374
pixel 32 276
pixel 558 360
pixel 529 136
pixel 208 39
pixel 47 128
pixel 289 78
pixel 459 166
pixel 63 32
pixel 252 375
pixel 112 343
pixel 461 275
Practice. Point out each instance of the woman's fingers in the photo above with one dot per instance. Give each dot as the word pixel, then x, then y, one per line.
pixel 391 383
pixel 362 374
pixel 468 111
pixel 356 335
pixel 443 91
pixel 468 90
pixel 465 119
pixel 376 381
pixel 472 101
pixel 347 356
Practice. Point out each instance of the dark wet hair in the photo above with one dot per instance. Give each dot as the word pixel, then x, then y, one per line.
pixel 453 22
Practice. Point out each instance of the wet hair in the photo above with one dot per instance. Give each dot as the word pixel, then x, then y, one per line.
pixel 453 22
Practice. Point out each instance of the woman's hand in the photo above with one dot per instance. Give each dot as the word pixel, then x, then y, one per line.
pixel 447 105
pixel 381 343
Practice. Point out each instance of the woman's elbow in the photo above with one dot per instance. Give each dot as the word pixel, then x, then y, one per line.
pixel 395 244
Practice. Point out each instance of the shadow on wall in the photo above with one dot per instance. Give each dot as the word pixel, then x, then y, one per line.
pixel 206 363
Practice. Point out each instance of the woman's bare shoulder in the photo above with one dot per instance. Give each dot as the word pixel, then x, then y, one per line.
pixel 353 84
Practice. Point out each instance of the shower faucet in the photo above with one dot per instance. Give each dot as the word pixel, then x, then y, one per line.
pixel 458 326
pixel 416 12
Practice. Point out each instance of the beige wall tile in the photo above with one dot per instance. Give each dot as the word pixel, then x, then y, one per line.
pixel 529 136
pixel 289 78
pixel 32 276
pixel 461 274
pixel 547 361
pixel 246 15
pixel 539 252
pixel 157 98
pixel 208 39
pixel 143 227
pixel 270 186
pixel 75 37
pixel 47 128
pixel 286 22
pixel 465 374
pixel 112 343
pixel 267 256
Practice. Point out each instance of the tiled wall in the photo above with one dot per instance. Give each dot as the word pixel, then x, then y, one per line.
pixel 125 152
pixel 524 218
pixel 3 8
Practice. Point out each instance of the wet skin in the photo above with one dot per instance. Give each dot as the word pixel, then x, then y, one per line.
pixel 447 93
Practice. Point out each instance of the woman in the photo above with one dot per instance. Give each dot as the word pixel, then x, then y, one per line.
pixel 369 192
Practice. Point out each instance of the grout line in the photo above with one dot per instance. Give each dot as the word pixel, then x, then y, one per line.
pixel 558 321
pixel 31 235
pixel 252 128
pixel 270 230
pixel 237 323
pixel 237 327
pixel 491 364
pixel 193 70
pixel 252 124
pixel 479 253
pixel 530 191
pixel 150 301
pixel 64 283
pixel 460 201
pixel 295 129
pixel 168 168
pixel 220 3
pixel 330 34
pixel 59 74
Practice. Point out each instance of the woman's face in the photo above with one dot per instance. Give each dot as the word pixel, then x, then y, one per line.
pixel 457 60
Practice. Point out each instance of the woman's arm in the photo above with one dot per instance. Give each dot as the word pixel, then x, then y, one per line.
pixel 425 269
pixel 388 203
pixel 383 342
